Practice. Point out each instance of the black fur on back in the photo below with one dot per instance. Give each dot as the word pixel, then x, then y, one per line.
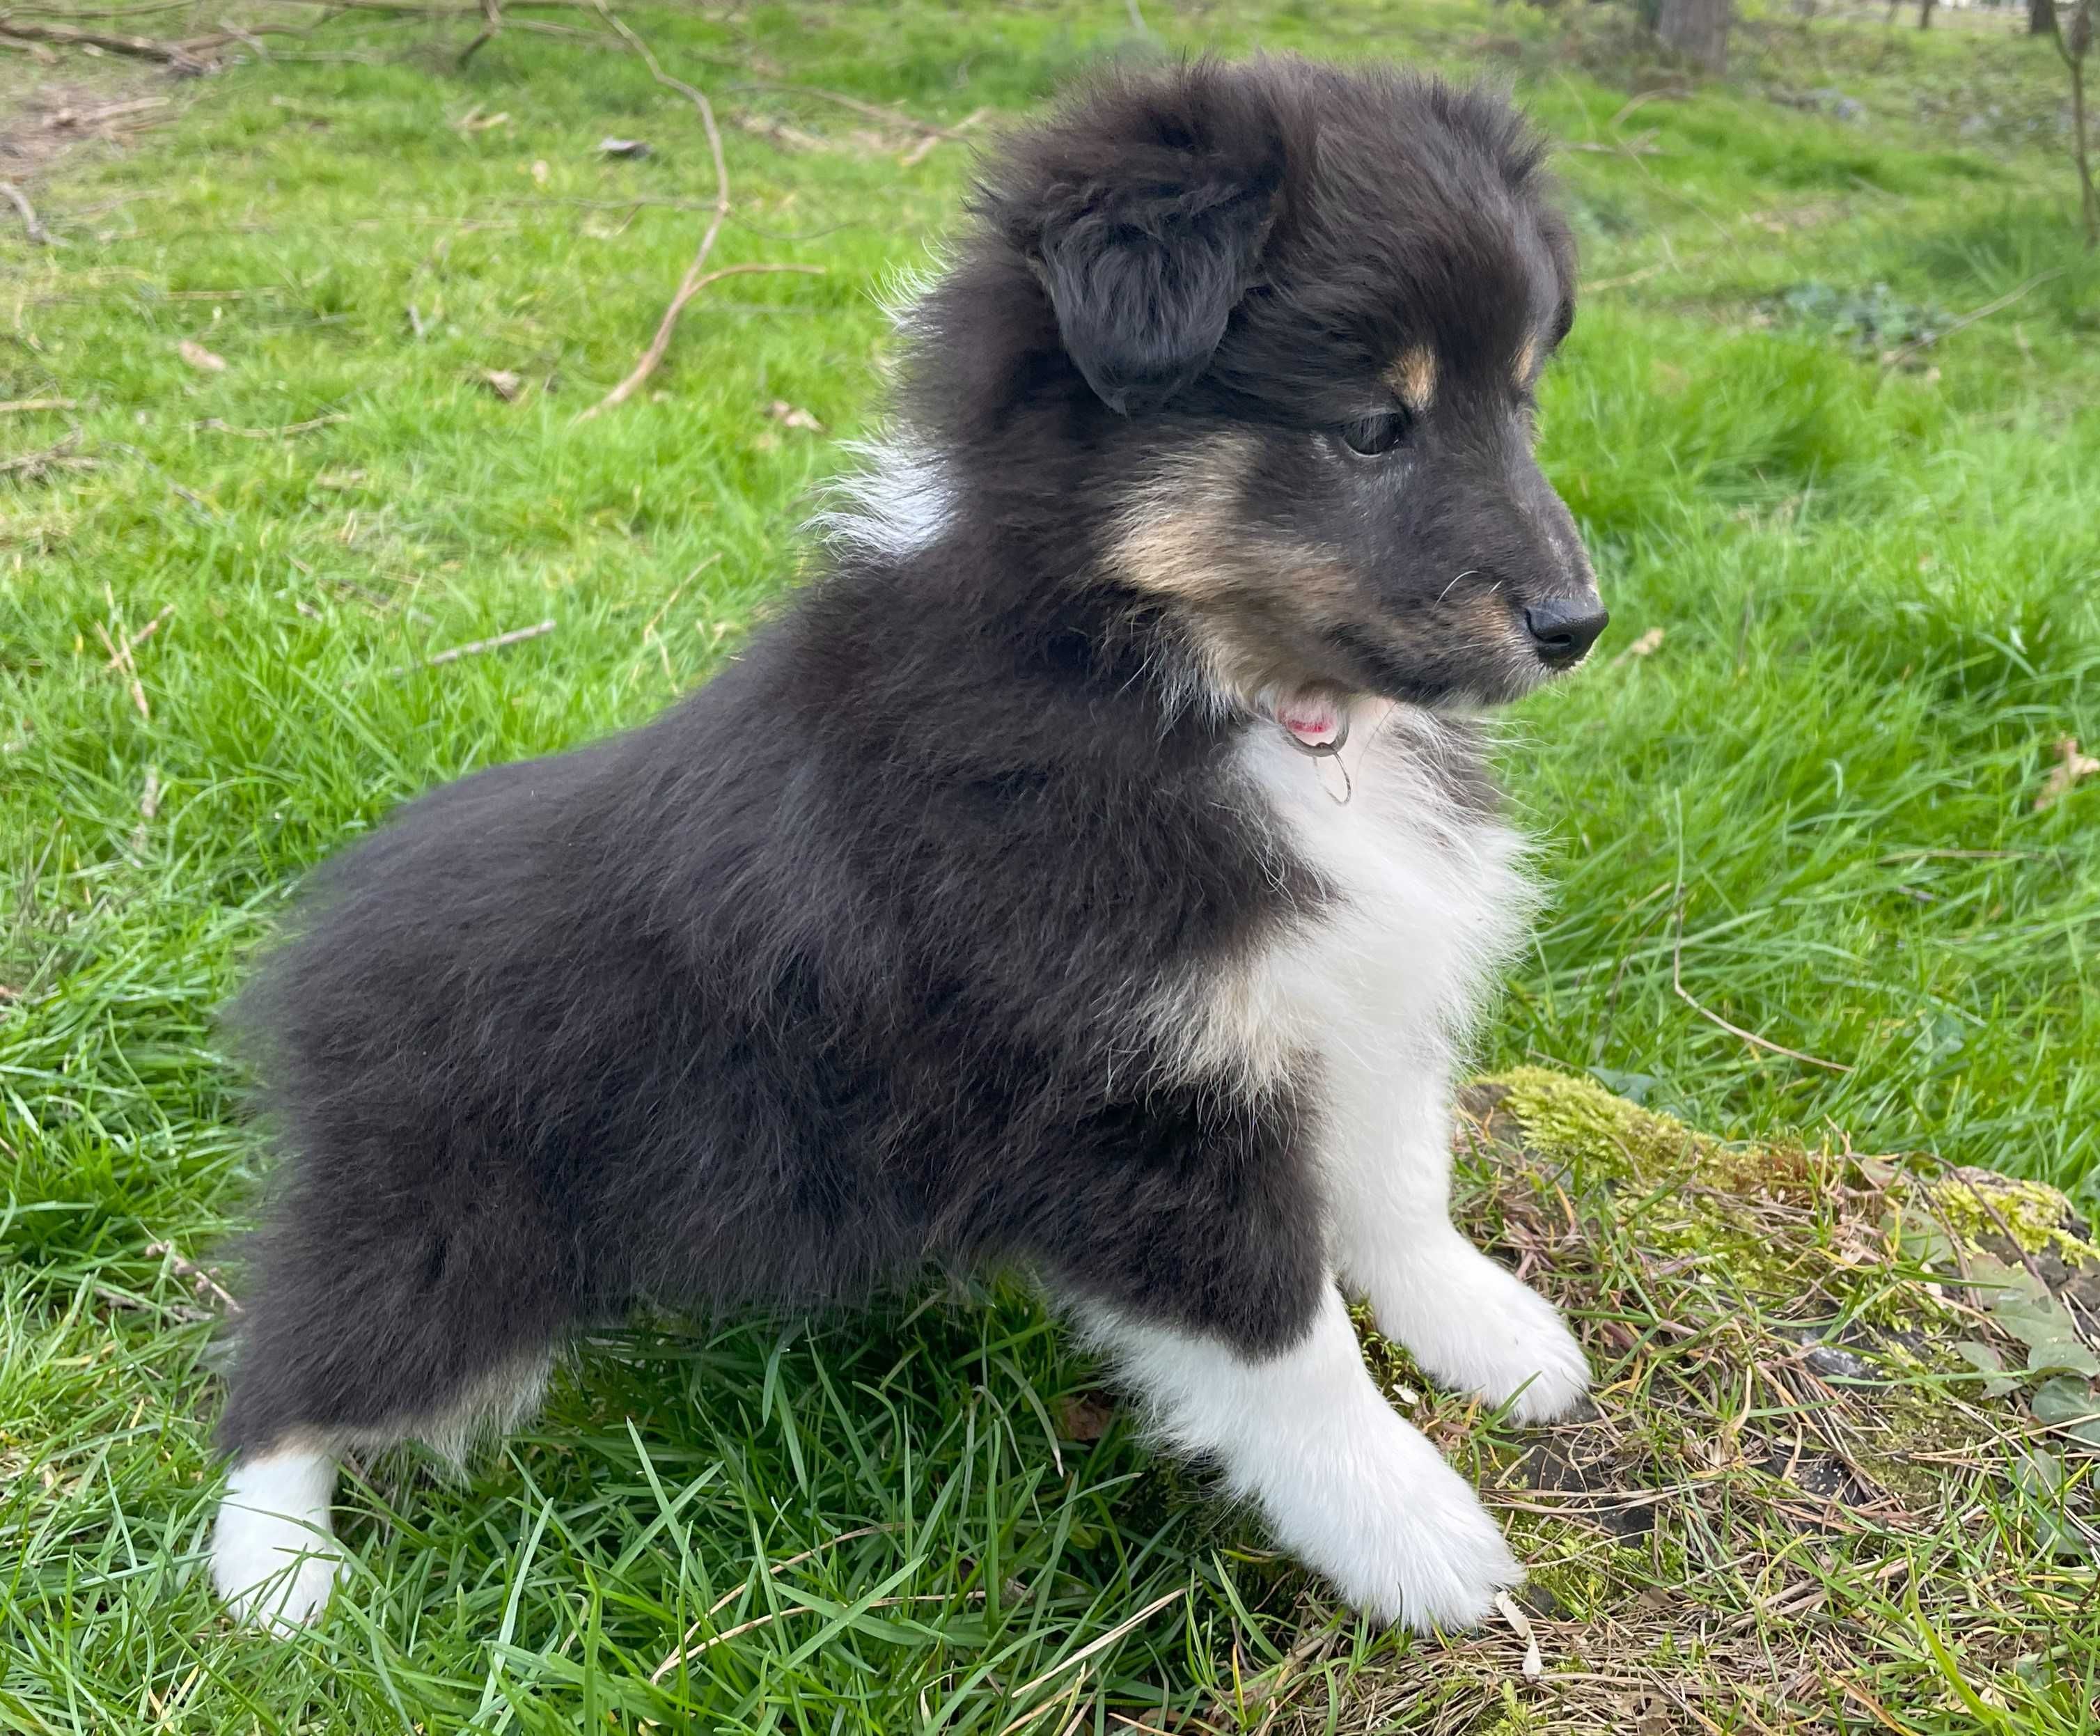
pixel 851 961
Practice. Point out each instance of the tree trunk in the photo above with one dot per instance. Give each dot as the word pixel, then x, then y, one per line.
pixel 2041 17
pixel 2089 198
pixel 1698 29
pixel 1924 14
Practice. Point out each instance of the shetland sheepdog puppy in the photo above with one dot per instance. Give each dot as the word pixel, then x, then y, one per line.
pixel 1094 870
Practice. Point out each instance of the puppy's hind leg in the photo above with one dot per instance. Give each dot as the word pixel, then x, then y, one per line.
pixel 1345 1484
pixel 364 1329
pixel 273 1556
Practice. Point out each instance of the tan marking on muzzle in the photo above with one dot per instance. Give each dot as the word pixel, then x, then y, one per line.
pixel 1413 377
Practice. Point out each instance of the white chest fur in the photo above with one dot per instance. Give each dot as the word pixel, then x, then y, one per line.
pixel 1425 900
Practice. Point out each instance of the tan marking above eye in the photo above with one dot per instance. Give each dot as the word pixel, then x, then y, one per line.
pixel 1526 361
pixel 1413 377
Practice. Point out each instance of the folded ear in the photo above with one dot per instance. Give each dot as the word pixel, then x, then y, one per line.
pixel 1144 210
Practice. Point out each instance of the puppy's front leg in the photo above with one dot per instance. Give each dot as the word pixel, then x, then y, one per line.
pixel 1469 1321
pixel 1345 1484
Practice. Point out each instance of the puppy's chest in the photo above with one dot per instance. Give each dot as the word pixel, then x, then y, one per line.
pixel 1422 901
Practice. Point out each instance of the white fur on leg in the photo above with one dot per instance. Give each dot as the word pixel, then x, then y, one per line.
pixel 1471 1322
pixel 274 1556
pixel 1346 1486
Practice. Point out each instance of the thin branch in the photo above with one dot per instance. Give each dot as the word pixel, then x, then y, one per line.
pixel 688 288
pixel 72 117
pixel 873 111
pixel 213 425
pixel 469 9
pixel 147 11
pixel 1677 983
pixel 182 56
pixel 39 236
pixel 200 1280
pixel 120 658
pixel 120 655
pixel 492 21
pixel 475 647
pixel 33 465
pixel 181 1311
pixel 1896 356
pixel 691 281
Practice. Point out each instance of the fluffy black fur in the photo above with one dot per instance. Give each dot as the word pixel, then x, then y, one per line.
pixel 846 963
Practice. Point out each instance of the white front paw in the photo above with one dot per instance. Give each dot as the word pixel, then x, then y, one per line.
pixel 1408 1541
pixel 1474 1326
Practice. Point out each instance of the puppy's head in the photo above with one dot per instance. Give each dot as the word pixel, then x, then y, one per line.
pixel 1281 325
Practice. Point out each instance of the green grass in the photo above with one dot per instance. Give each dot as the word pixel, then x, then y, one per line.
pixel 1813 805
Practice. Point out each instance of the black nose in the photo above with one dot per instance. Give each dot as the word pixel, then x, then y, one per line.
pixel 1562 632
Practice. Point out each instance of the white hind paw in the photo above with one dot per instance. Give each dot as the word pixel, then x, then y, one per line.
pixel 273 1558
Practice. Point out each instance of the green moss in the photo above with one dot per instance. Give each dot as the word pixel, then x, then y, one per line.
pixel 1975 1204
pixel 1615 1150
pixel 1578 1122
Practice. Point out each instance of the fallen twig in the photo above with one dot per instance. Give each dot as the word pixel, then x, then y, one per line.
pixel 59 456
pixel 468 9
pixel 200 1280
pixel 1641 275
pixel 2071 765
pixel 73 117
pixel 1683 994
pixel 213 425
pixel 475 648
pixel 21 406
pixel 39 236
pixel 687 290
pixel 181 1311
pixel 873 111
pixel 120 658
pixel 1895 357
pixel 492 22
pixel 183 56
pixel 695 277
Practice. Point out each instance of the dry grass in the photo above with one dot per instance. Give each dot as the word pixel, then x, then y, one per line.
pixel 1796 1505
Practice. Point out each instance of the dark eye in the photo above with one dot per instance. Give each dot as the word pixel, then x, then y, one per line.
pixel 1374 436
